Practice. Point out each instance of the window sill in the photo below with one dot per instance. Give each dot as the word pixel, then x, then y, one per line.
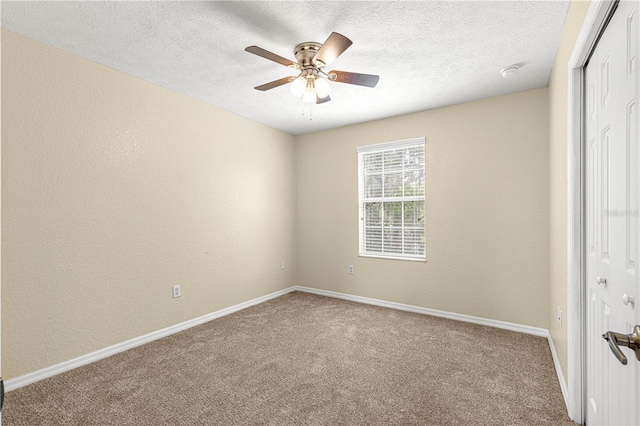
pixel 382 256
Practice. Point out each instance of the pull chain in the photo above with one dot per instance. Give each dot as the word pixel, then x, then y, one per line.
pixel 310 112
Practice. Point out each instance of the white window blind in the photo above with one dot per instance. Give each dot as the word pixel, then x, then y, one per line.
pixel 391 199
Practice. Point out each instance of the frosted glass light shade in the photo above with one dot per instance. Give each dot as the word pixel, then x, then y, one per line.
pixel 298 86
pixel 309 95
pixel 323 89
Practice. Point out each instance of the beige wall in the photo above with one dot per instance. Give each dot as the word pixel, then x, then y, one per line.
pixel 487 211
pixel 558 178
pixel 115 189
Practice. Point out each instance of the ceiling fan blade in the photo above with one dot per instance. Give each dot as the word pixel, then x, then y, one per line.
pixel 331 49
pixel 271 56
pixel 275 83
pixel 368 80
pixel 322 100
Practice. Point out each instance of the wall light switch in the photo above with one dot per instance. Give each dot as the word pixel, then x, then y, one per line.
pixel 282 264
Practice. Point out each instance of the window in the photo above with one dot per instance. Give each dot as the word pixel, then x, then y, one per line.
pixel 391 199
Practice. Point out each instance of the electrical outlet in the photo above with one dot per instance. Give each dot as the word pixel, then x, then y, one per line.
pixel 559 316
pixel 350 269
pixel 176 291
pixel 282 264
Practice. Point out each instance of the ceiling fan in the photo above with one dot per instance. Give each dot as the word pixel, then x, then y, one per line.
pixel 311 57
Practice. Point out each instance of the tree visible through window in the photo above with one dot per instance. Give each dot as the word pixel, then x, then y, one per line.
pixel 391 198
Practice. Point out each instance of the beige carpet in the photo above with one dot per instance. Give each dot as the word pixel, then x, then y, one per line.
pixel 303 359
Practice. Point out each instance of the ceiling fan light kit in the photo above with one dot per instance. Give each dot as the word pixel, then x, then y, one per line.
pixel 311 57
pixel 310 87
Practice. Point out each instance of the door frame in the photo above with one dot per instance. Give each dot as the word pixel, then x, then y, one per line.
pixel 593 25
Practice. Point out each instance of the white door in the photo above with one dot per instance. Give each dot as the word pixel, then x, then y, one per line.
pixel 1 390
pixel 612 234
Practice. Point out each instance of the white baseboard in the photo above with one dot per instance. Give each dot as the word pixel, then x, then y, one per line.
pixel 556 364
pixel 434 312
pixel 62 367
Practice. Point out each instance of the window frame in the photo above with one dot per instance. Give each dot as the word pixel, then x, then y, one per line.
pixel 362 200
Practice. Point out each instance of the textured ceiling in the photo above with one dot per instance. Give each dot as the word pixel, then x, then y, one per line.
pixel 428 54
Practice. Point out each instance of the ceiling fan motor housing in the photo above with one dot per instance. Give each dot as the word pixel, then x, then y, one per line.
pixel 305 52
